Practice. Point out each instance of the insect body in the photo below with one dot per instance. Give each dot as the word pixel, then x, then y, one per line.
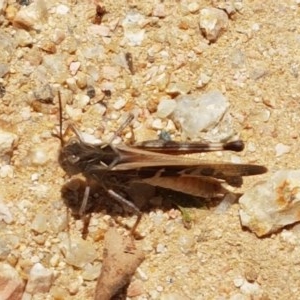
pixel 155 163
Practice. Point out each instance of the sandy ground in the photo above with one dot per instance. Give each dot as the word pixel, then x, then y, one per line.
pixel 255 63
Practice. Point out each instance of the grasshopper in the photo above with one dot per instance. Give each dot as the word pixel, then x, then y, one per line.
pixel 157 162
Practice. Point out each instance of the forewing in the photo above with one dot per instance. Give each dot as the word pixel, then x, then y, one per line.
pixel 137 159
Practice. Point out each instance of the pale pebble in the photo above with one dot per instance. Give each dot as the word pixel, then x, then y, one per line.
pixel 71 82
pixel 81 101
pixel 5 214
pixel 62 9
pixel 178 88
pixel 3 4
pixel 141 274
pixel 74 113
pixel 157 124
pixel 251 147
pixel 273 204
pixel 91 272
pixel 81 80
pixel 100 30
pixel 282 149
pixel 203 80
pixel 135 38
pixel 31 16
pixel 23 38
pixel 193 7
pixel 74 67
pixel 238 281
pixel 6 171
pixel 8 141
pixel 79 253
pixel 251 288
pixel 159 10
pixel 40 279
pixel 54 260
pixel 160 248
pixel 39 223
pixel 213 22
pixel 289 237
pixel 165 107
pixel 38 156
pixel 119 103
pixel 12 285
pixel 197 113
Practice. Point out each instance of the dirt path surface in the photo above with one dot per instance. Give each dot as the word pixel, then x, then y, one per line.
pixel 57 46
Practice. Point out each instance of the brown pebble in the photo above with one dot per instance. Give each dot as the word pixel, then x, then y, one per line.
pixel 251 274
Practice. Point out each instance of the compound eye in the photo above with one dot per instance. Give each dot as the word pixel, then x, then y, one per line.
pixel 73 159
pixel 73 141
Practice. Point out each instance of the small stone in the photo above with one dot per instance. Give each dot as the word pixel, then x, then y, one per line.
pixel 186 244
pixel 271 205
pixel 47 45
pixel 119 104
pixel 74 113
pixel 39 223
pixel 5 214
pixel 203 80
pixel 178 88
pixel 40 279
pixel 74 67
pixel 289 237
pixel 81 101
pixel 100 30
pixel 6 171
pixel 62 9
pixel 251 288
pixel 238 282
pixel 91 272
pixel 23 38
pixel 281 149
pixel 142 133
pixel 160 248
pixel 132 31
pixel 4 69
pixel 213 22
pixel 81 80
pixel 165 108
pixel 251 274
pixel 79 253
pixel 159 10
pixel 141 274
pixel 157 124
pixel 38 156
pixel 8 142
pixel 31 17
pixel 110 72
pixel 54 260
pixel 193 7
pixel 197 113
pixel 74 286
pixel 3 4
pixel 251 147
pixel 12 286
pixel 71 82
pixel 44 94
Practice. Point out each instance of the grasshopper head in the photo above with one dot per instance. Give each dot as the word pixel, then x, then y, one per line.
pixel 72 157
